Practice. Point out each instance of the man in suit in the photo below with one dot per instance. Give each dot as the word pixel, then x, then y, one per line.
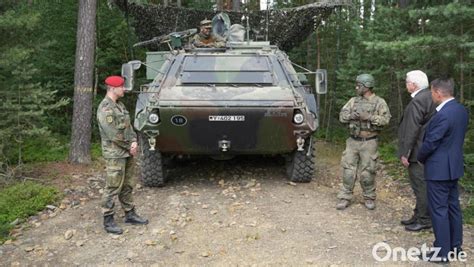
pixel 410 134
pixel 442 156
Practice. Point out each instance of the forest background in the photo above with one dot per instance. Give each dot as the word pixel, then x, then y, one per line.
pixel 385 38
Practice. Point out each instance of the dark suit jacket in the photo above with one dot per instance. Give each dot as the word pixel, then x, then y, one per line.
pixel 414 121
pixel 442 148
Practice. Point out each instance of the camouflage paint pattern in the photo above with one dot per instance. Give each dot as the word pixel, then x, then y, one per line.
pixel 255 82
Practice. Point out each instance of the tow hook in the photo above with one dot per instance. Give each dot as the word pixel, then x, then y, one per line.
pixel 224 145
pixel 152 142
pixel 300 143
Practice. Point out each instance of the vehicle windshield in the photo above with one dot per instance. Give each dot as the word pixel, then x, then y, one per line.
pixel 227 69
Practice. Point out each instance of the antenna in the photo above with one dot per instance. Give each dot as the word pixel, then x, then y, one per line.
pixel 248 25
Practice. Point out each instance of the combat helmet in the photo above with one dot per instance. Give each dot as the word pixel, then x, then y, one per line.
pixel 366 79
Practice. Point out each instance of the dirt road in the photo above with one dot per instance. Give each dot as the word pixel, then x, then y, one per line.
pixel 241 212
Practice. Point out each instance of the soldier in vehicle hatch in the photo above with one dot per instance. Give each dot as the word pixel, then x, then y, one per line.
pixel 119 146
pixel 205 38
pixel 366 114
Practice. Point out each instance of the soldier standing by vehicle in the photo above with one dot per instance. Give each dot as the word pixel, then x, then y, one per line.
pixel 205 38
pixel 366 114
pixel 119 146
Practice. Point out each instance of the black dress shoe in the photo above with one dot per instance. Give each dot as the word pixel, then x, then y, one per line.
pixel 416 227
pixel 429 257
pixel 412 220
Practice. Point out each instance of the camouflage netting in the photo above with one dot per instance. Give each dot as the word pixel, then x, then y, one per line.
pixel 287 27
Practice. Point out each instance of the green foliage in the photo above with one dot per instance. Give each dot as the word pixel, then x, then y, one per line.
pixel 467 181
pixel 26 103
pixel 96 151
pixel 388 153
pixel 22 200
pixel 469 212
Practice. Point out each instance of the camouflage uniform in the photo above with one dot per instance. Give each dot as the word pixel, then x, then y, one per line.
pixel 361 153
pixel 117 136
pixel 201 40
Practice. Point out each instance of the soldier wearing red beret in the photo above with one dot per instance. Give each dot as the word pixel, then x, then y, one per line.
pixel 119 146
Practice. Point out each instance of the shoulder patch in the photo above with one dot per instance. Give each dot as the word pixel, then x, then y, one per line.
pixel 109 119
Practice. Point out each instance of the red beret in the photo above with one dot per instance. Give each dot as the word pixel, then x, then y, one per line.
pixel 115 81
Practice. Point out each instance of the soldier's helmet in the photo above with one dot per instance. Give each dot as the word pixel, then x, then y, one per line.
pixel 366 79
pixel 205 23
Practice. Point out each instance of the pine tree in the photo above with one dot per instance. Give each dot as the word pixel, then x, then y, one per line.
pixel 25 104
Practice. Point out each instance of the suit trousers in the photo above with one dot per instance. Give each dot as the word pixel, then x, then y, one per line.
pixel 446 216
pixel 418 184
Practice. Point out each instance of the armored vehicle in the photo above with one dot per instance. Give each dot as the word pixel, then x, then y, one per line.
pixel 246 98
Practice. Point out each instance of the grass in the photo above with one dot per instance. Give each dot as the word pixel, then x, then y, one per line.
pixel 21 200
pixel 388 154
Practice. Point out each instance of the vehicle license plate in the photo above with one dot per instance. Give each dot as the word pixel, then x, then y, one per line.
pixel 227 118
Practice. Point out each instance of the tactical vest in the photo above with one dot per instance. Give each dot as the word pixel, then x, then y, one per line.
pixel 360 105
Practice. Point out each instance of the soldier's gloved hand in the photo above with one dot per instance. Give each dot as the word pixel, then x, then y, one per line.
pixel 364 116
pixel 354 116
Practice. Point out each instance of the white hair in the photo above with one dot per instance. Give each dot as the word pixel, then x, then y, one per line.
pixel 419 78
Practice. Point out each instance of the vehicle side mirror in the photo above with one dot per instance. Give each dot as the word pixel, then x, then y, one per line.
pixel 128 73
pixel 321 81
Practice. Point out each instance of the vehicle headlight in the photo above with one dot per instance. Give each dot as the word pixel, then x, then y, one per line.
pixel 298 118
pixel 153 118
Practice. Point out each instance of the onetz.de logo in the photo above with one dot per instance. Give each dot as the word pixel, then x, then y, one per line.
pixel 384 252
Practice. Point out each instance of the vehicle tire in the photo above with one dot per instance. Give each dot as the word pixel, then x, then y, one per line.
pixel 152 173
pixel 300 166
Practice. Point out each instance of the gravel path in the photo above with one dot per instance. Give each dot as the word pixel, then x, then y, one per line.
pixel 240 212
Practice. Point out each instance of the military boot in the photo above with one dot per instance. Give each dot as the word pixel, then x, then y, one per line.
pixel 132 218
pixel 369 204
pixel 343 203
pixel 110 226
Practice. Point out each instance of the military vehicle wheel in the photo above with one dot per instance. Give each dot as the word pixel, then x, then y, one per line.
pixel 152 173
pixel 300 166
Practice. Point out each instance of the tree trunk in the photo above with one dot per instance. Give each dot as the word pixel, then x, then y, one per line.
pixel 403 3
pixel 236 5
pixel 178 3
pixel 220 5
pixel 165 3
pixel 83 82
